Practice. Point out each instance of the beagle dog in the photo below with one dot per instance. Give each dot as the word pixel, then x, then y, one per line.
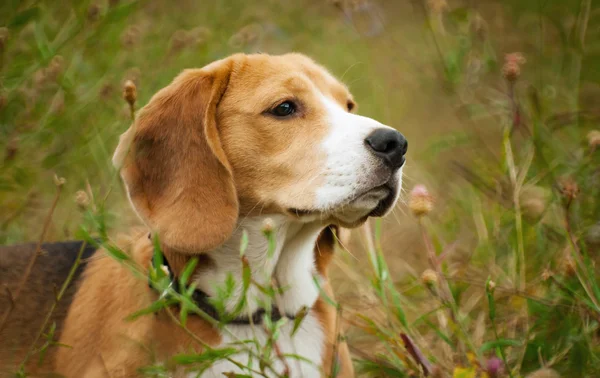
pixel 244 143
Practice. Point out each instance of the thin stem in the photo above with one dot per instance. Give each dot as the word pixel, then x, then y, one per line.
pixel 577 256
pixel 334 357
pixel 445 292
pixel 59 296
pixel 33 259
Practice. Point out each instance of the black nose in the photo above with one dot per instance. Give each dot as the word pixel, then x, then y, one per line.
pixel 389 145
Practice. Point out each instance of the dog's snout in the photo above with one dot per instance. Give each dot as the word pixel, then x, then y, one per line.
pixel 389 145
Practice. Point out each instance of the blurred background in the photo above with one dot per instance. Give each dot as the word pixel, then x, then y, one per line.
pixel 487 267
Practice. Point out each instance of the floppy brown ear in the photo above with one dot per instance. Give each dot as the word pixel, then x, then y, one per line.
pixel 174 167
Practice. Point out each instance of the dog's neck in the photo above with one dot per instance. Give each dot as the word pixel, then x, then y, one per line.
pixel 290 264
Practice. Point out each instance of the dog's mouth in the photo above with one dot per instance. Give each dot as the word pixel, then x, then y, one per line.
pixel 374 202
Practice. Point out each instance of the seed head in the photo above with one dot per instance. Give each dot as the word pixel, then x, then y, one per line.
pixel 568 188
pixel 93 12
pixel 268 226
pixel 546 274
pixel 106 91
pixel 592 236
pixel 199 35
pixel 494 367
pixel 55 67
pixel 82 199
pixel 12 148
pixel 180 39
pixel 490 286
pixel 131 36
pixel 59 181
pixel 593 138
pixel 512 66
pixel 533 201
pixel 420 201
pixel 130 92
pixel 247 35
pixel 568 265
pixel 429 277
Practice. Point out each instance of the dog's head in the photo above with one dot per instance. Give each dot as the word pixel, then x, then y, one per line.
pixel 256 134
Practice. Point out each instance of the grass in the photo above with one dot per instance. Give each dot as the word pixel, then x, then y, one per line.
pixel 487 269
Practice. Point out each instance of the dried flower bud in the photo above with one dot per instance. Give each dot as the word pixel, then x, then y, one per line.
pixel 533 201
pixel 199 35
pixel 59 181
pixel 106 91
pixel 429 277
pixel 131 36
pixel 490 286
pixel 12 148
pixel 420 201
pixel 130 92
pixel 592 236
pixel 180 39
pixel 437 372
pixel 512 66
pixel 593 138
pixel 515 57
pixel 165 270
pixel 511 71
pixel 249 34
pixel 93 13
pixel 568 265
pixel 494 367
pixel 268 226
pixel 568 188
pixel 546 274
pixel 82 199
pixel 55 67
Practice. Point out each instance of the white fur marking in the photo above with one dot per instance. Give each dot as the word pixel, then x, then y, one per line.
pixel 293 266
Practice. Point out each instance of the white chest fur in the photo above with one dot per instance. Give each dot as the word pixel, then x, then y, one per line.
pixel 292 264
pixel 307 343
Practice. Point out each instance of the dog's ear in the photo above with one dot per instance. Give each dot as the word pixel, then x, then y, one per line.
pixel 176 172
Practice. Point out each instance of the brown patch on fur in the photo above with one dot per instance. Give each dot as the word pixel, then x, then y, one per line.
pixel 178 177
pixel 103 342
pixel 327 314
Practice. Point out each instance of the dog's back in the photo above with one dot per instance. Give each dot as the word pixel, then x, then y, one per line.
pixel 27 312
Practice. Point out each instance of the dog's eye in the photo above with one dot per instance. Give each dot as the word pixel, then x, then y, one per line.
pixel 284 109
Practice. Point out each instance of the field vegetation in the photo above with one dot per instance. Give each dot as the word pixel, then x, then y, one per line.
pixel 487 267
